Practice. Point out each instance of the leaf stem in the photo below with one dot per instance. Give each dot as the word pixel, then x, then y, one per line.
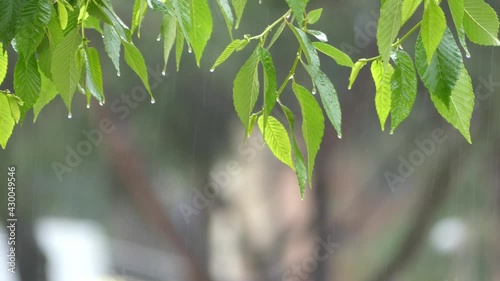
pixel 397 43
pixel 291 73
pixel 410 32
pixel 271 26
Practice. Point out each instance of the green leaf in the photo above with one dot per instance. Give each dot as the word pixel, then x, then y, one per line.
pixel 409 8
pixel 314 16
pixel 228 51
pixel 318 34
pixel 182 9
pixel 340 57
pixel 270 91
pixel 354 72
pixel 169 31
pixel 179 47
pixel 276 137
pixel 67 66
pixel 404 88
pixel 30 26
pixel 298 8
pixel 91 22
pixel 246 88
pixel 313 125
pixel 382 78
pixel 14 103
pixel 309 50
pixel 134 59
pixel 276 34
pixel 201 27
pixel 93 74
pixel 481 23
pixel 48 92
pixel 433 27
pixel 27 82
pixel 7 123
pixel 195 22
pixel 298 159
pixel 251 124
pixel 138 13
pixel 54 31
pixel 442 73
pixel 388 26
pixel 459 112
pixel 95 10
pixel 166 7
pixel 112 46
pixel 329 98
pixel 4 60
pixel 63 15
pixel 239 7
pixel 9 10
pixel 119 26
pixel 227 14
pixel 457 12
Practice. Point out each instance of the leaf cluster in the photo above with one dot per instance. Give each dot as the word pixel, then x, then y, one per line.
pixel 54 57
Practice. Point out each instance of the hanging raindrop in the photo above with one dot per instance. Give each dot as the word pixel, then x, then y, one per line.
pixel 288 16
pixel 153 101
pixel 190 50
pixel 88 105
pixel 158 38
pixel 391 133
pixel 313 91
pixel 467 55
pixel 118 74
pixel 339 136
pixel 101 103
pixel 291 77
pixel 102 36
pixel 70 116
pixel 163 73
pixel 212 70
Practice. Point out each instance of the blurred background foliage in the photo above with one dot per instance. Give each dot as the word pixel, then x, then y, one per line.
pixel 125 200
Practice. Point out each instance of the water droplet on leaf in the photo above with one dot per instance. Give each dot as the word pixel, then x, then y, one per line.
pixel 101 103
pixel 291 77
pixel 158 38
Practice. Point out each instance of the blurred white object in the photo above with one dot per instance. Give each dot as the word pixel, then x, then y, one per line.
pixel 448 235
pixel 4 274
pixel 76 250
